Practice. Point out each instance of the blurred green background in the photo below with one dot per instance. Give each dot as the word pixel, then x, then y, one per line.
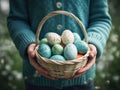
pixel 108 69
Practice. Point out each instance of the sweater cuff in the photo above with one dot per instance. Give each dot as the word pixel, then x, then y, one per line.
pixel 96 39
pixel 28 38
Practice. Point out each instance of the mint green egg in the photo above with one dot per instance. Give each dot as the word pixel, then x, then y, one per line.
pixel 43 41
pixel 82 47
pixel 57 49
pixel 57 57
pixel 70 51
pixel 44 50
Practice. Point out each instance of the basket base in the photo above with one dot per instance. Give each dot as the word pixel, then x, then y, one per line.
pixel 63 69
pixel 62 75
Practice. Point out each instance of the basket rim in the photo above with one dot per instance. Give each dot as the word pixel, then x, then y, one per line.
pixel 54 13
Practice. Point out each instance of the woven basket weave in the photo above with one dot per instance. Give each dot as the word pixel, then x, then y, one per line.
pixel 61 69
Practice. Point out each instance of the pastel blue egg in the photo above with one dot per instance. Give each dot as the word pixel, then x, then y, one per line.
pixel 82 47
pixel 44 50
pixel 57 57
pixel 70 51
pixel 76 37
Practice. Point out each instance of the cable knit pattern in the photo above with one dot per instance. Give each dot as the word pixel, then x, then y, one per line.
pixel 25 16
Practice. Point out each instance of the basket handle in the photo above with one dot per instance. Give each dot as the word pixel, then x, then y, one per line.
pixel 53 13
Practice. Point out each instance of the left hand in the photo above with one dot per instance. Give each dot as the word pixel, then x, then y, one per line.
pixel 33 62
pixel 91 61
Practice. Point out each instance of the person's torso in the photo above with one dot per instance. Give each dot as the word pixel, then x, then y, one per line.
pixel 39 8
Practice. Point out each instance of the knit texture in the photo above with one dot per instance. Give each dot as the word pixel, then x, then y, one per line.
pixel 25 16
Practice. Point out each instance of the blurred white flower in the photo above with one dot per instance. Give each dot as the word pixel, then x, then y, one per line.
pixel 114 38
pixel 116 78
pixel 4 5
pixel 2 61
pixel 7 67
pixel 4 73
pixel 18 75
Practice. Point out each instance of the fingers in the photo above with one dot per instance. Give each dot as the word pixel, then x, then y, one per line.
pixel 40 69
pixel 91 61
pixel 93 51
pixel 31 50
pixel 33 62
pixel 84 69
pixel 87 66
pixel 75 76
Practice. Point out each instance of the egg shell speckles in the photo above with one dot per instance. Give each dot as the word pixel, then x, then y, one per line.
pixel 53 38
pixel 57 49
pixel 44 50
pixel 67 37
pixel 70 51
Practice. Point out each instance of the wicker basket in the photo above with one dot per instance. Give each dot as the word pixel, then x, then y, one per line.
pixel 61 69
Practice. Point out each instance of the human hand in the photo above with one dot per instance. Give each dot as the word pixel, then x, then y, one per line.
pixel 91 61
pixel 32 59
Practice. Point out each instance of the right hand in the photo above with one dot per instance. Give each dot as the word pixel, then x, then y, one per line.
pixel 32 58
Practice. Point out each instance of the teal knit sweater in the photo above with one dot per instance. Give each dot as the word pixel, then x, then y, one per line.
pixel 25 16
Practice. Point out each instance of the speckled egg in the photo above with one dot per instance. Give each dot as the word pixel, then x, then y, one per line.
pixel 57 57
pixel 53 38
pixel 82 47
pixel 44 50
pixel 70 51
pixel 57 49
pixel 67 37
pixel 43 41
pixel 76 37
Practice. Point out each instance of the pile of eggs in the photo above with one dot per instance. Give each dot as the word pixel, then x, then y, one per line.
pixel 68 46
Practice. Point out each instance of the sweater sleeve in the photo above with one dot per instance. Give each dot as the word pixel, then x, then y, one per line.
pixel 99 24
pixel 18 26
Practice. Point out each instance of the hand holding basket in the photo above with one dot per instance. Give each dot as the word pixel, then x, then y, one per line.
pixel 61 69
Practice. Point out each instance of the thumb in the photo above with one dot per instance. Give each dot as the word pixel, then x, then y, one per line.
pixel 93 51
pixel 31 50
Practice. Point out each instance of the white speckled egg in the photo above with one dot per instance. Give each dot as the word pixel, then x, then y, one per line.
pixel 70 51
pixel 53 38
pixel 82 47
pixel 67 37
